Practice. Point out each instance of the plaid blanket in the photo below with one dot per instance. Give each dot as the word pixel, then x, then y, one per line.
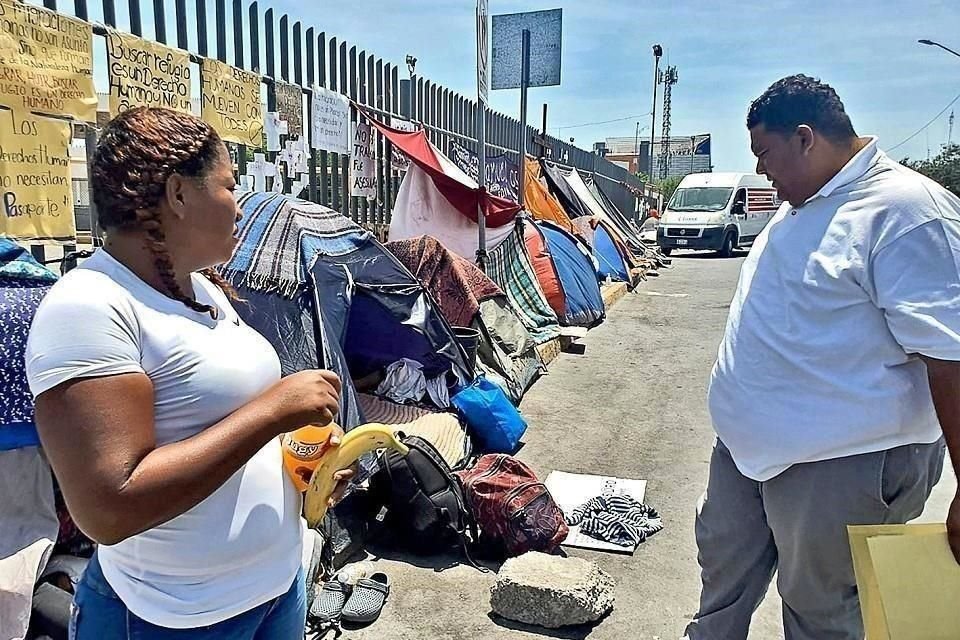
pixel 509 266
pixel 456 284
pixel 279 237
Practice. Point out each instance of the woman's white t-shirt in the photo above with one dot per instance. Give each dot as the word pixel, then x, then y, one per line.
pixel 240 547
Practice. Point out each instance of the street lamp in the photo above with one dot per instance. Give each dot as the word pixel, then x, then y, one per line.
pixel 937 44
pixel 657 53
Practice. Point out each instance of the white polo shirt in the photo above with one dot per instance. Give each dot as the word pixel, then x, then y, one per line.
pixel 834 302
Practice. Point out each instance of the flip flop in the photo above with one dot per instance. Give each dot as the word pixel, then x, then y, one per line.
pixel 367 600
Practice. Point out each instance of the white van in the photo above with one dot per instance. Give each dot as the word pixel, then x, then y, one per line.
pixel 719 211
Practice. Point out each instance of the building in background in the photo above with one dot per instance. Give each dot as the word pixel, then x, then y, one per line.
pixel 686 155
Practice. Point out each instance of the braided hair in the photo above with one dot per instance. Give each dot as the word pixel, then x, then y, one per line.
pixel 137 153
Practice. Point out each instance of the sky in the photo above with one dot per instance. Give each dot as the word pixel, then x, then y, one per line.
pixel 726 54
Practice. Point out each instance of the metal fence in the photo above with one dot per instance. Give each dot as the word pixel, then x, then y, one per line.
pixel 309 57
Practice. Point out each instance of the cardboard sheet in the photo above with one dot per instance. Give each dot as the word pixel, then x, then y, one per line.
pixel 571 490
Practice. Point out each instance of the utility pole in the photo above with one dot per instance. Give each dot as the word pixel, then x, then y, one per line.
pixel 950 130
pixel 636 146
pixel 669 79
pixel 657 53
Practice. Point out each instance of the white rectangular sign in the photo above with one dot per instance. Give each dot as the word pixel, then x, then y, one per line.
pixel 483 50
pixel 363 174
pixel 331 121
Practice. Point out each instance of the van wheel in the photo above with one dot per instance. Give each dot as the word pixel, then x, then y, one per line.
pixel 666 251
pixel 729 242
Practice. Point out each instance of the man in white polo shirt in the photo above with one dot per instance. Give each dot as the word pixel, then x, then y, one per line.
pixel 838 378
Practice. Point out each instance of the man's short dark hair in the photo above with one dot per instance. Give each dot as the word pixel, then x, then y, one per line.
pixel 798 100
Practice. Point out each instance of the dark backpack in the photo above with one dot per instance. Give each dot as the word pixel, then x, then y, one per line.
pixel 513 509
pixel 424 507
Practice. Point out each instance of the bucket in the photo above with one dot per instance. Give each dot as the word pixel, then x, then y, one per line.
pixel 469 340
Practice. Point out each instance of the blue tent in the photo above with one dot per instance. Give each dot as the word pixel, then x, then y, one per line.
pixel 605 250
pixel 578 276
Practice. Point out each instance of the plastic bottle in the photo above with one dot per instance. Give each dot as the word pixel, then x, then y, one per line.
pixel 302 451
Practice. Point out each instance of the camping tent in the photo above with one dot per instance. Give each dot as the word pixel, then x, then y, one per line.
pixel 468 298
pixel 628 229
pixel 609 254
pixel 326 294
pixel 509 265
pixel 538 202
pixel 438 199
pixel 577 272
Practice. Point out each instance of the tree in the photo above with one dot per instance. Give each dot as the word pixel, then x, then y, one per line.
pixel 667 186
pixel 944 168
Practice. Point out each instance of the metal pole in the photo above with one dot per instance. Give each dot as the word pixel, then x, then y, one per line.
pixel 524 82
pixel 657 52
pixel 481 182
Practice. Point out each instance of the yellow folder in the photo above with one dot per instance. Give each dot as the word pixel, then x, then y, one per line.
pixel 909 582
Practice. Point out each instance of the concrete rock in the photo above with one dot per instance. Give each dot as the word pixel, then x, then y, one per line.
pixel 552 592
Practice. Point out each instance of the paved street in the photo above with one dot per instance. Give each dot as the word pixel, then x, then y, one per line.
pixel 631 405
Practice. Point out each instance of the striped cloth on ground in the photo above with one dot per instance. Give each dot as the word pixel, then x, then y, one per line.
pixel 279 237
pixel 620 520
pixel 509 266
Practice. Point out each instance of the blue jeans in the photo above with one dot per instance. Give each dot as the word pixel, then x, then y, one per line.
pixel 100 614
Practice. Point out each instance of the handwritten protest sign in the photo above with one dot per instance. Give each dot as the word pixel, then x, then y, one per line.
pixel 36 199
pixel 231 102
pixel 290 106
pixel 502 175
pixel 363 176
pixel 143 73
pixel 46 63
pixel 331 121
pixel 398 160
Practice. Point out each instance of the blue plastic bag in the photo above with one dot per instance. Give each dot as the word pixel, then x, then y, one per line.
pixel 491 417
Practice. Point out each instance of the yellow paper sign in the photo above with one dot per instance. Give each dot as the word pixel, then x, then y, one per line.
pixel 45 62
pixel 871 602
pixel 36 198
pixel 231 102
pixel 144 73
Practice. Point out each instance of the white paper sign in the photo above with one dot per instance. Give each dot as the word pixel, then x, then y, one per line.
pixel 331 121
pixel 363 174
pixel 271 127
pixel 398 160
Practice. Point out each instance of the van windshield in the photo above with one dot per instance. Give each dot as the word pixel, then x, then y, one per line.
pixel 700 199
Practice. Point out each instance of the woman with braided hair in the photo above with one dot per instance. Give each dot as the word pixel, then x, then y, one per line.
pixel 161 411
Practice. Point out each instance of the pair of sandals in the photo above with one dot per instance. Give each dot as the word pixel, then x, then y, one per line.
pixel 351 599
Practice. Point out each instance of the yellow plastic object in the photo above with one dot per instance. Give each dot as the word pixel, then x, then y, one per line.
pixel 302 450
pixel 363 439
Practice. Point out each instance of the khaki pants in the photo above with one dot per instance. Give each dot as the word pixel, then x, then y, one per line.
pixel 795 524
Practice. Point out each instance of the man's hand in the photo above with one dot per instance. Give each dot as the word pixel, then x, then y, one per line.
pixel 945 388
pixel 953 526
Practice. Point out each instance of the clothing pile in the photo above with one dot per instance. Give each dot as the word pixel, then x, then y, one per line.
pixel 620 520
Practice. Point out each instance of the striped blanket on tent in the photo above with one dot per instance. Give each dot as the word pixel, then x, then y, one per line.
pixel 280 235
pixel 509 266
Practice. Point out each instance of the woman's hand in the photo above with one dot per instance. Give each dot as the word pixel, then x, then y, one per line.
pixel 305 397
pixel 342 476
